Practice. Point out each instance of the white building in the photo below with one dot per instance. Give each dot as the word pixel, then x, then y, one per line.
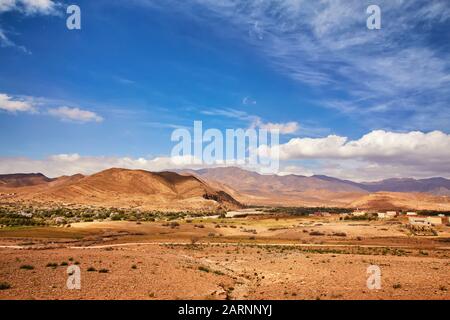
pixel 419 221
pixel 436 221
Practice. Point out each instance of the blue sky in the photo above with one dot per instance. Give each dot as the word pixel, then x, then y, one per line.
pixel 116 89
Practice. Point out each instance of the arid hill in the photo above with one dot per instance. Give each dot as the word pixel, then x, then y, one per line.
pixel 23 180
pixel 130 188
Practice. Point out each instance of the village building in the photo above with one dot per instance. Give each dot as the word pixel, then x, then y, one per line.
pixel 359 213
pixel 436 221
pixel 419 221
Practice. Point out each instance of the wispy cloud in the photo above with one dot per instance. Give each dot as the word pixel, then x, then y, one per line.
pixel 46 106
pixel 6 42
pixel 30 7
pixel 27 8
pixel 123 80
pixel 253 121
pixel 75 114
pixel 326 44
pixel 14 104
pixel 248 101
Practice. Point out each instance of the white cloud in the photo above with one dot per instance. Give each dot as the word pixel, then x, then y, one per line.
pixel 75 114
pixel 7 5
pixel 428 152
pixel 248 101
pixel 283 128
pixel 14 105
pixel 29 7
pixel 6 42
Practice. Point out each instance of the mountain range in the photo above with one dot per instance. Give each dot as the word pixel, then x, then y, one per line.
pixel 224 188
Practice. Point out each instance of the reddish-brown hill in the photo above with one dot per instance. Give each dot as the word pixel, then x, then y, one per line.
pixel 131 188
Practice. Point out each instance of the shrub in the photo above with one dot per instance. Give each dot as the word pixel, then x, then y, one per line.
pixel 339 234
pixel 4 285
pixel 91 269
pixel 51 265
pixel 103 271
pixel 134 266
pixel 316 233
pixel 204 269
pixel 64 263
pixel 26 267
pixel 397 286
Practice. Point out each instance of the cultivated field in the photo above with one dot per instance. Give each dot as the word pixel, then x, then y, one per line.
pixel 255 257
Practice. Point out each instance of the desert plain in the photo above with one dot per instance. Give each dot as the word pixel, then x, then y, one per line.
pixel 267 256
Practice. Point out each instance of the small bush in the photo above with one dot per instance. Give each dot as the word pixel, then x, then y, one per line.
pixel 204 269
pixel 103 271
pixel 91 269
pixel 339 234
pixel 26 267
pixel 397 286
pixel 4 286
pixel 134 266
pixel 64 263
pixel 51 265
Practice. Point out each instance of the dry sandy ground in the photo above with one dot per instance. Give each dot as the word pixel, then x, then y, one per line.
pixel 280 261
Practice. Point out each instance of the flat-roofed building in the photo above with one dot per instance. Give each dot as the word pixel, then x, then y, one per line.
pixel 436 221
pixel 419 221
